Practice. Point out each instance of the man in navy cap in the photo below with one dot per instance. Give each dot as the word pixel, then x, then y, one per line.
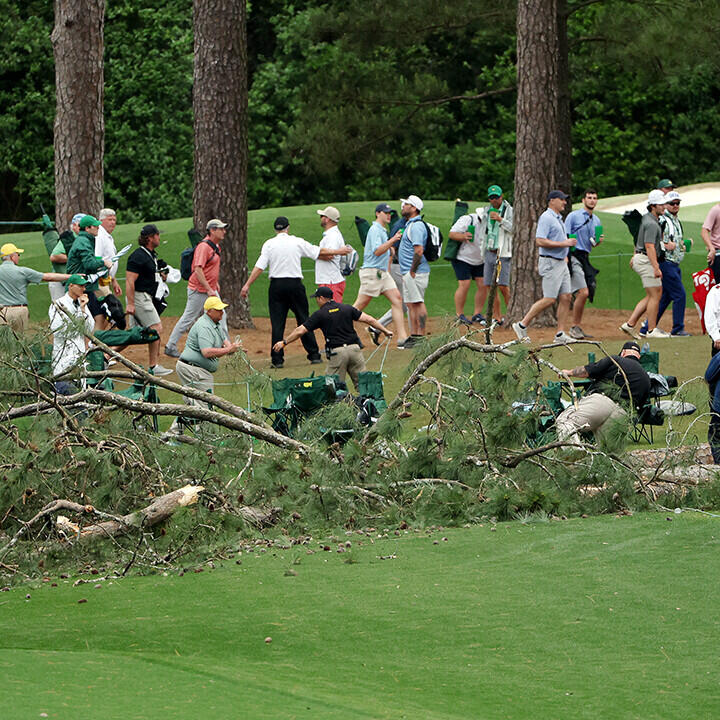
pixel 342 345
pixel 554 245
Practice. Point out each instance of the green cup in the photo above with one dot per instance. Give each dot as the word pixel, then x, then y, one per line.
pixel 688 244
pixel 471 230
pixel 598 232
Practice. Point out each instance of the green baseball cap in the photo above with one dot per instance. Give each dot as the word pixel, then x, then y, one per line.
pixel 77 280
pixel 88 221
pixel 665 183
pixel 494 191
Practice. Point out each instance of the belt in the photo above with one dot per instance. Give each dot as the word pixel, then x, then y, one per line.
pixel 12 306
pixel 192 364
pixel 641 252
pixel 335 347
pixel 550 257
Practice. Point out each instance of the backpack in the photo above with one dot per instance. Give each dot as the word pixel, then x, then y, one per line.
pixel 348 263
pixel 187 256
pixel 433 244
pixel 632 218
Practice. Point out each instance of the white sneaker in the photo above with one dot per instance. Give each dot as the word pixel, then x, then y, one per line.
pixel 521 332
pixel 629 329
pixel 658 333
pixel 562 337
pixel 159 370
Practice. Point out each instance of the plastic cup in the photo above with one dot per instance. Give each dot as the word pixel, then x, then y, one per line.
pixel 598 232
pixel 471 230
pixel 688 244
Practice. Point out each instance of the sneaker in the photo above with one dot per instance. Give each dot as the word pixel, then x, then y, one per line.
pixel 629 329
pixel 502 321
pixel 680 333
pixel 658 333
pixel 464 319
pixel 479 318
pixel 277 365
pixel 316 361
pixel 576 332
pixel 409 343
pixel 374 335
pixel 159 370
pixel 521 332
pixel 643 332
pixel 172 351
pixel 562 337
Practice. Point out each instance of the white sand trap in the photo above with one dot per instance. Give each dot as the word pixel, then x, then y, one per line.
pixel 700 194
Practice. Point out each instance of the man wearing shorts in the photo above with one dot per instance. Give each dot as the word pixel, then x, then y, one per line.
pixel 327 272
pixel 141 281
pixel 498 223
pixel 468 230
pixel 375 277
pixel 413 266
pixel 554 243
pixel 646 263
pixel 582 223
pixel 710 233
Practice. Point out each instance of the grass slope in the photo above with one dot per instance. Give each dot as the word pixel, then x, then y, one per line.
pixel 604 617
pixel 618 286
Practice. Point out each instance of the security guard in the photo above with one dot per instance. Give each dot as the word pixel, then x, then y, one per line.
pixel 342 345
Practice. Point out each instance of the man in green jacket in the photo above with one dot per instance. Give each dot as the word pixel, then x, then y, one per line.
pixel 83 261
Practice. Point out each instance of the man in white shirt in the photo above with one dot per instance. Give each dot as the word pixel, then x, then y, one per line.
pixel 327 272
pixel 69 343
pixel 282 256
pixel 711 316
pixel 105 248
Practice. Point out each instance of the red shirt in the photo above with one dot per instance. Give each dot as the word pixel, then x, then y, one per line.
pixel 207 259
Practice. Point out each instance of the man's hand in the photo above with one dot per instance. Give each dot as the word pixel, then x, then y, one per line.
pixel 468 237
pixel 213 293
pixel 387 332
pixel 711 256
pixel 716 344
pixel 83 300
pixel 107 263
pixel 494 215
pixel 233 348
pixel 412 274
pixel 670 245
pixel 658 272
pixel 278 346
pixel 245 290
pixel 130 308
pixel 571 242
pixel 397 236
pixel 116 287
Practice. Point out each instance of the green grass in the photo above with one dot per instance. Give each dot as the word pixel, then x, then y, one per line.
pixel 618 286
pixel 605 617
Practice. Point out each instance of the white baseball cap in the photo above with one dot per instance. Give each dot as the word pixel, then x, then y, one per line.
pixel 413 200
pixel 330 212
pixel 656 197
pixel 672 195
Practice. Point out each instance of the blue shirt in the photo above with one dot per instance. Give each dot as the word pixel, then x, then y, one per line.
pixel 550 226
pixel 415 234
pixel 376 236
pixel 583 224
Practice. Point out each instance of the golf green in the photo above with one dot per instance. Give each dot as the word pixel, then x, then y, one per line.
pixel 609 617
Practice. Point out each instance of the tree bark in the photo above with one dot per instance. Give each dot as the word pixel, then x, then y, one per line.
pixel 220 98
pixel 536 144
pixel 563 167
pixel 77 40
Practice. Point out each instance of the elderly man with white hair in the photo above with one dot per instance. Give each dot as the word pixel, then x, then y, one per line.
pixel 105 248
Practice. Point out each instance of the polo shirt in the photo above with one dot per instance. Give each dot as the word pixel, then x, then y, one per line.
pixel 473 252
pixel 712 225
pixel 203 334
pixel 415 234
pixel 105 248
pixel 283 253
pixel 583 224
pixel 650 233
pixel 336 322
pixel 14 280
pixel 550 226
pixel 208 260
pixel 606 371
pixel 144 263
pixel 377 235
pixel 68 340
pixel 327 272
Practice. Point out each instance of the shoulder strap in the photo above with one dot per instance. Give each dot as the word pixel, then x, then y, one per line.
pixel 215 248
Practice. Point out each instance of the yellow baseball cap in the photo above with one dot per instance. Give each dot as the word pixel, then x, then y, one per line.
pixel 9 249
pixel 214 303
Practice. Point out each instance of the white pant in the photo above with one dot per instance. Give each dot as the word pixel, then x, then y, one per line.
pixel 591 414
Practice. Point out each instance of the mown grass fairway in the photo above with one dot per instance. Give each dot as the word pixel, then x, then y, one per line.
pixel 604 617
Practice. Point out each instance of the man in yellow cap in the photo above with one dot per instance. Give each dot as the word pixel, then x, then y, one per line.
pixel 14 280
pixel 206 343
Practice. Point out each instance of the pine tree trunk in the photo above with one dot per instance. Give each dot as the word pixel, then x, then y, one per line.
pixel 536 144
pixel 563 168
pixel 220 96
pixel 77 40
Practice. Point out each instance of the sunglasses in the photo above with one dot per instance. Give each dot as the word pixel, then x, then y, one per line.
pixel 674 202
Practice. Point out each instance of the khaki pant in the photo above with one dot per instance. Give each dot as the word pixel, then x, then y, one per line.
pixel 194 377
pixel 348 359
pixel 591 414
pixel 18 317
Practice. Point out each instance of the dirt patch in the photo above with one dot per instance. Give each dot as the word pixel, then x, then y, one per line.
pixel 601 324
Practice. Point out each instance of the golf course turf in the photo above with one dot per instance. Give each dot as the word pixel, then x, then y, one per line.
pixel 609 617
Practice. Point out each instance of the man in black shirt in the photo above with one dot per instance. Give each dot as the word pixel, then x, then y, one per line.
pixel 342 344
pixel 619 375
pixel 141 281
